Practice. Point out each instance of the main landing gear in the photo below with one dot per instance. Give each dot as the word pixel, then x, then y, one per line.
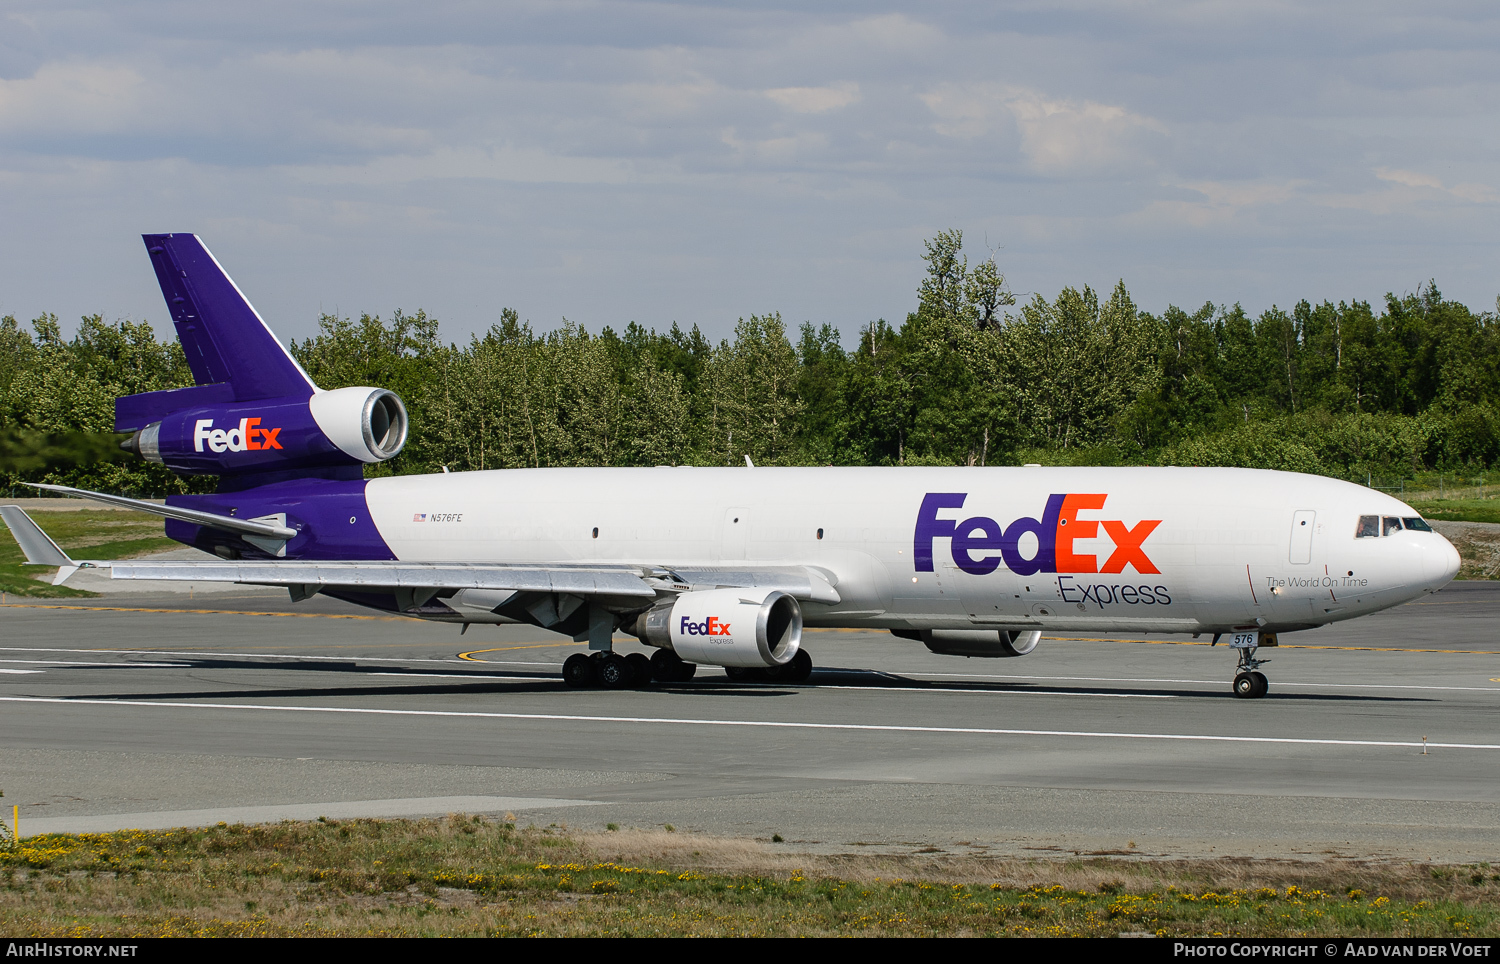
pixel 796 670
pixel 1249 683
pixel 615 672
pixel 609 670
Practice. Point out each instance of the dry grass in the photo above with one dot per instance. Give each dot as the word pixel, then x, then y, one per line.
pixel 464 875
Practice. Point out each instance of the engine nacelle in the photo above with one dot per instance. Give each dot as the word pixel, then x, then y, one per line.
pixel 349 426
pixel 726 627
pixel 984 643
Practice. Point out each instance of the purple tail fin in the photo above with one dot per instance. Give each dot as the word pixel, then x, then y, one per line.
pixel 232 354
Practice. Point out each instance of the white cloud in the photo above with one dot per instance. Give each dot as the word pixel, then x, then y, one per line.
pixel 518 165
pixel 1057 135
pixel 815 100
pixel 794 157
pixel 775 150
pixel 72 97
pixel 1478 193
pixel 894 31
pixel 1242 194
pixel 655 101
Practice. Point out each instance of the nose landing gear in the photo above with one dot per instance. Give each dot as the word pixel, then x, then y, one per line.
pixel 1249 683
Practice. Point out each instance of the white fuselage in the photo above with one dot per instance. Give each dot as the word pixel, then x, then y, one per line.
pixel 1231 547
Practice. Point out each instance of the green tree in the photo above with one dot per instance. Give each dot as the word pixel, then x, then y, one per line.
pixel 751 391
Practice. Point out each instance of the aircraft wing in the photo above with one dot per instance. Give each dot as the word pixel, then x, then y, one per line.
pixel 548 593
pixel 801 582
pixel 388 575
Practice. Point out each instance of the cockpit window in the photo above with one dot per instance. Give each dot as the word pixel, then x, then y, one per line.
pixel 1368 528
pixel 1418 524
pixel 1392 524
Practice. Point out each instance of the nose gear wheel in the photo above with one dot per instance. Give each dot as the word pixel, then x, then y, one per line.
pixel 1249 683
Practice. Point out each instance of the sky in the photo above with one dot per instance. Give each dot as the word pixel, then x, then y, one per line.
pixel 609 162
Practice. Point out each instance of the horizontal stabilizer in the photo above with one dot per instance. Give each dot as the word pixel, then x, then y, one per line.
pixel 224 523
pixel 134 412
pixel 397 575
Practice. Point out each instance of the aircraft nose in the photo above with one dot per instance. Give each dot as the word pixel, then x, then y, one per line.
pixel 1440 562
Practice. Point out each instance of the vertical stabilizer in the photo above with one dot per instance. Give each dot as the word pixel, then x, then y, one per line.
pixel 223 336
pixel 233 355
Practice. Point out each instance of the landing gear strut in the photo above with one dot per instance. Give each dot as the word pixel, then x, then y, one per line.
pixel 1249 683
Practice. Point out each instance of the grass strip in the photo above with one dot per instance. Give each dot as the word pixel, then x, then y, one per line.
pixel 475 876
pixel 1460 510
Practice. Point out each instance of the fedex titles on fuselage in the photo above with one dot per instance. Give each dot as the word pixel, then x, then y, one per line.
pixel 979 545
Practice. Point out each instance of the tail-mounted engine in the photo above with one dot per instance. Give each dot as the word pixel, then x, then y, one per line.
pixel 348 426
pixel 726 627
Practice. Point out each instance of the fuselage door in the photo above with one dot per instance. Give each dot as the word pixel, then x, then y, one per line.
pixel 1302 536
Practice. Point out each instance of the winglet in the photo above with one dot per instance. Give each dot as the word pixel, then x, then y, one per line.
pixel 39 548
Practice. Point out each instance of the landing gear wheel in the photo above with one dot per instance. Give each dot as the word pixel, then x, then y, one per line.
pixel 744 674
pixel 1249 684
pixel 641 667
pixel 578 671
pixel 798 669
pixel 615 672
pixel 668 667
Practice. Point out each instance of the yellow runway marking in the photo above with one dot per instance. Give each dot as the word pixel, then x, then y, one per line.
pixel 203 612
pixel 501 649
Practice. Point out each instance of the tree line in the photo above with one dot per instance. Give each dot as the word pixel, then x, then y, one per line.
pixel 970 377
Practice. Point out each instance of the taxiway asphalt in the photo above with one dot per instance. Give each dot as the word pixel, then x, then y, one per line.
pixel 140 711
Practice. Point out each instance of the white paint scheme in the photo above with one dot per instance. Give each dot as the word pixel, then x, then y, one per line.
pixel 344 416
pixel 1224 547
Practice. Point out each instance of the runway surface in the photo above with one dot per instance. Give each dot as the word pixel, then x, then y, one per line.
pixel 139 711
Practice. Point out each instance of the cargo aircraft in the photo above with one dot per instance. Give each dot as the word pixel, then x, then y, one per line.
pixel 725 566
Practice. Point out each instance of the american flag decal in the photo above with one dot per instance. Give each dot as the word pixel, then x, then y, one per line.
pixel 419 517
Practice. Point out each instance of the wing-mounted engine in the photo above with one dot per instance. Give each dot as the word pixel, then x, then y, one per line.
pixel 725 627
pixel 984 643
pixel 348 426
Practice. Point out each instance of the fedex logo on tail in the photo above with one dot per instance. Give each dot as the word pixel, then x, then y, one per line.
pixel 247 437
pixel 980 544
